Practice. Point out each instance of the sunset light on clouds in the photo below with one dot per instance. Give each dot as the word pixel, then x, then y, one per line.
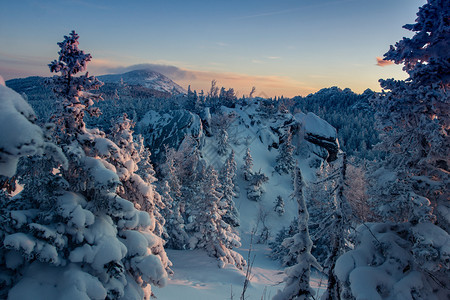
pixel 281 47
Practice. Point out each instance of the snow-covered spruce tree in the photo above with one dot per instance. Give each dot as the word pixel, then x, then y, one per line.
pixel 248 165
pixel 20 136
pixel 209 230
pixel 338 230
pixel 74 89
pixel 233 169
pixel 27 154
pixel 279 206
pixel 331 219
pixel 171 191
pixel 413 114
pixel 407 256
pixel 187 158
pixel 356 191
pixel 280 252
pixel 181 170
pixel 126 163
pixel 222 143
pixel 285 159
pixel 297 281
pixel 169 169
pixel 89 234
pixel 256 189
pixel 226 176
pixel 147 173
pixel 175 226
pixel 320 195
pixel 140 191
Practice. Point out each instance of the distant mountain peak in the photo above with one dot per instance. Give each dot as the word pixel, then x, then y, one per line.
pixel 146 78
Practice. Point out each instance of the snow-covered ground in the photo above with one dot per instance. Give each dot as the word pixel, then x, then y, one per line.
pixel 197 276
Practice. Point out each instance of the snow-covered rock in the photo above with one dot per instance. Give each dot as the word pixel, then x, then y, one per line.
pixel 319 132
pixel 314 137
pixel 161 129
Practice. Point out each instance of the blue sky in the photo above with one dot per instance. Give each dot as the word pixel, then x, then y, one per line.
pixel 282 47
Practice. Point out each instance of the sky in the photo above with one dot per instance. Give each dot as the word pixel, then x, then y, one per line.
pixel 283 47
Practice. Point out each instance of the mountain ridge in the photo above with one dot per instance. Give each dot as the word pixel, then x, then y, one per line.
pixel 146 78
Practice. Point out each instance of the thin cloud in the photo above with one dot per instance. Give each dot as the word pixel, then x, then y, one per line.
pixel 267 14
pixel 273 57
pixel 270 85
pixel 287 11
pixel 19 66
pixel 6 58
pixel 222 44
pixel 89 4
pixel 215 64
pixel 383 63
pixel 317 76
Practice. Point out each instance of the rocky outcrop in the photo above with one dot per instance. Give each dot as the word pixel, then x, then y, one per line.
pixel 169 129
pixel 312 136
pixel 320 133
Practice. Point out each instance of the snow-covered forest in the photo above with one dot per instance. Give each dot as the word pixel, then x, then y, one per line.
pixel 128 186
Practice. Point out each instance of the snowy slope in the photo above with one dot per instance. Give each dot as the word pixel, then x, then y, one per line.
pixel 196 275
pixel 146 78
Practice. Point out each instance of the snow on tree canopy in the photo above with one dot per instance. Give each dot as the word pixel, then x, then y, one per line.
pixel 74 89
pixel 69 232
pixel 19 136
pixel 47 282
pixel 425 55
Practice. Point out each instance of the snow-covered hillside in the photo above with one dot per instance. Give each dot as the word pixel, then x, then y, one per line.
pixel 146 78
pixel 248 127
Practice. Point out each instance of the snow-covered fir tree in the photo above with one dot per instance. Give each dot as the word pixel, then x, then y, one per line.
pixel 28 154
pixel 298 276
pixel 278 250
pixel 285 159
pixel 84 232
pixel 226 176
pixel 356 191
pixel 175 226
pixel 210 231
pixel 248 165
pixel 232 164
pixel 405 257
pixel 172 192
pixel 331 219
pixel 132 154
pixel 21 137
pixel 279 206
pixel 72 88
pixel 338 227
pixel 222 143
pixel 255 189
pixel 323 223
pixel 140 190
